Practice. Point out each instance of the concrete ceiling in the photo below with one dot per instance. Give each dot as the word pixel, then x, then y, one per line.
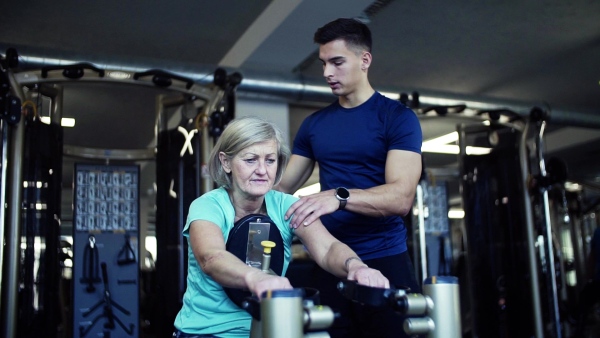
pixel 509 54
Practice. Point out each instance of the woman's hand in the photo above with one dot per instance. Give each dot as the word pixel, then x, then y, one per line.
pixel 259 282
pixel 364 275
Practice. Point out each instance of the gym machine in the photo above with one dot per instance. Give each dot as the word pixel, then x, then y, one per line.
pixel 543 175
pixel 181 176
pixel 46 86
pixel 435 313
pixel 31 170
pixel 431 228
pixel 297 313
pixel 293 313
pixel 512 278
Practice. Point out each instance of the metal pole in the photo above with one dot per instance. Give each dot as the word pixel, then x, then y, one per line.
pixel 548 235
pixel 533 269
pixel 445 294
pixel 462 146
pixel 207 184
pixel 422 245
pixel 293 88
pixel 3 181
pixel 13 223
pixel 207 144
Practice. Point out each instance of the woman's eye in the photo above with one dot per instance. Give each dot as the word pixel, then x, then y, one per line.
pixel 271 161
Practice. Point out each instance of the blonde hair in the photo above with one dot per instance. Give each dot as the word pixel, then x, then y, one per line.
pixel 240 134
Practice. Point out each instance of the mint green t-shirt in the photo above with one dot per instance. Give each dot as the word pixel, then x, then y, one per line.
pixel 206 308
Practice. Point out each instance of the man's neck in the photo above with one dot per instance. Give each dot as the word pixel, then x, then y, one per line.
pixel 357 97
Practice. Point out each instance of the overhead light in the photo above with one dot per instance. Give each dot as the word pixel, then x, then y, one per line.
pixel 444 139
pixel 573 187
pixel 456 213
pixel 440 149
pixel 454 149
pixel 477 150
pixel 443 145
pixel 118 75
pixel 65 121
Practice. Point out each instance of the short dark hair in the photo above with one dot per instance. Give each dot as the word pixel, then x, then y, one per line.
pixel 353 32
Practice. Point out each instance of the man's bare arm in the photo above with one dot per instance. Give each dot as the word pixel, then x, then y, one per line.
pixel 395 197
pixel 296 173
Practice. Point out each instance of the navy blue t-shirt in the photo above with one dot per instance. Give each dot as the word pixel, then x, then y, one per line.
pixel 350 146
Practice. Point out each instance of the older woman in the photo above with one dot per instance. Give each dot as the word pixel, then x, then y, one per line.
pixel 246 162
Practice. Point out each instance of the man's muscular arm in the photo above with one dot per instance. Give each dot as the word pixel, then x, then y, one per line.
pixel 395 197
pixel 296 173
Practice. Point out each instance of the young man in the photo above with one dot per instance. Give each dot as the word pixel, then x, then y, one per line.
pixel 368 148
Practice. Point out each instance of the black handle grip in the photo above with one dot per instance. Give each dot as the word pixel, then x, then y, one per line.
pixel 74 71
pixel 104 273
pixel 163 79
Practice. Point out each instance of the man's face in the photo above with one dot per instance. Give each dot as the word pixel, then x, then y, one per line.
pixel 341 67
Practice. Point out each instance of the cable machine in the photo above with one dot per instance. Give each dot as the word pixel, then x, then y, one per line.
pixel 106 230
pixel 513 268
pixel 512 273
pixel 182 157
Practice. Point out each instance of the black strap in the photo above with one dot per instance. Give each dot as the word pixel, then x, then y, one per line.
pixel 126 254
pixel 90 265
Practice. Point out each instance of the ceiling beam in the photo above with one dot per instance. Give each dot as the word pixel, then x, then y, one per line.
pixel 264 25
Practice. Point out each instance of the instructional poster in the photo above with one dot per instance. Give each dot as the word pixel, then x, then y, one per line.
pixel 106 251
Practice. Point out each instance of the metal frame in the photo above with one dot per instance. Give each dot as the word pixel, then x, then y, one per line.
pixel 85 73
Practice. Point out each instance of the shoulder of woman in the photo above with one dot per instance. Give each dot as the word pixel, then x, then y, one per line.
pixel 282 196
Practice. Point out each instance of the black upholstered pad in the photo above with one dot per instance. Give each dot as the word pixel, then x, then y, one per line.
pixel 237 245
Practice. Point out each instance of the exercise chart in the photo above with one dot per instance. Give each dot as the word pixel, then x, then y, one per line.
pixel 106 250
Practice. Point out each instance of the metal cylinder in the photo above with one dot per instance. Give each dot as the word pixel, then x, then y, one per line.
pixel 444 292
pixel 256 329
pixel 318 317
pixel 421 325
pixel 415 304
pixel 266 262
pixel 282 313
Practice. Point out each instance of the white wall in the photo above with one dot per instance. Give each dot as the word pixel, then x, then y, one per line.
pixel 276 112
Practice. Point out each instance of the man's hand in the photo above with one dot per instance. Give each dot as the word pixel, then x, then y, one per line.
pixel 309 208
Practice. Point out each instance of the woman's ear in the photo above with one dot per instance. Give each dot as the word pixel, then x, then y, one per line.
pixel 225 164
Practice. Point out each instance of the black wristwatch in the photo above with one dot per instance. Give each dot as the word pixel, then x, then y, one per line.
pixel 342 194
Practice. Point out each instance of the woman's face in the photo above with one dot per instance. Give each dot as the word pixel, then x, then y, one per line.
pixel 253 169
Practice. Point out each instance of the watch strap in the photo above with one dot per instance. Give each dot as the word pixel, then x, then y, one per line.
pixel 343 198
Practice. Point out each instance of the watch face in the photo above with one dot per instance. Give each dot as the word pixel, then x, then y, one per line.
pixel 342 193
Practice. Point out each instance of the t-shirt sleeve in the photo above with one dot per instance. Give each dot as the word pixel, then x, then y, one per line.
pixel 404 130
pixel 302 144
pixel 281 202
pixel 204 208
